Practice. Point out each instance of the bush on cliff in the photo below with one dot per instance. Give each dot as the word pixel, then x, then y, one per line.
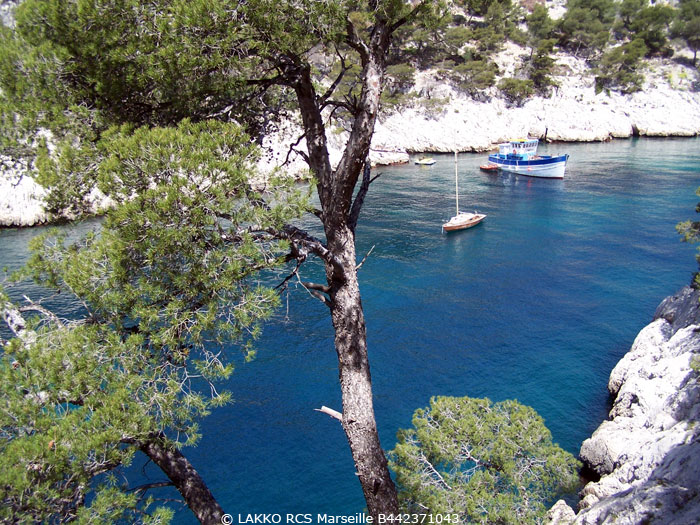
pixel 516 90
pixel 619 68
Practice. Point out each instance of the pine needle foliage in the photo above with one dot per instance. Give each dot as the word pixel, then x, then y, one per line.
pixel 487 463
pixel 170 290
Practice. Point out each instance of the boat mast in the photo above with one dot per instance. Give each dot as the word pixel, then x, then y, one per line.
pixel 456 185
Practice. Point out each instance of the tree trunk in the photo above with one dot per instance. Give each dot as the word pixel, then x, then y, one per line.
pixel 356 385
pixel 187 480
pixel 335 189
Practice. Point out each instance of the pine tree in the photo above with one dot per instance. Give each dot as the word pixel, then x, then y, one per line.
pixel 480 462
pixel 126 88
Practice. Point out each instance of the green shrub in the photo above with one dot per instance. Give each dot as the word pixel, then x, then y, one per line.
pixel 516 90
pixel 619 68
pixel 480 462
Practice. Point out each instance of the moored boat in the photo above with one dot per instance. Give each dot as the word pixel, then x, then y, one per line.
pixel 489 167
pixel 520 156
pixel 425 161
pixel 463 219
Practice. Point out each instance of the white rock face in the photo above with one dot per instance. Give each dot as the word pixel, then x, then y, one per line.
pixel 648 452
pixel 20 196
pixel 445 120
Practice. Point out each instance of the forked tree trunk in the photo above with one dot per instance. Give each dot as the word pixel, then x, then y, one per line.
pixel 335 189
pixel 350 332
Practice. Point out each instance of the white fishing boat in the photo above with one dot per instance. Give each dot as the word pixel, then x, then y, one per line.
pixel 425 161
pixel 520 156
pixel 463 219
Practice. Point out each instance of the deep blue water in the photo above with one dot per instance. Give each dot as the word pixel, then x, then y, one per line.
pixel 537 303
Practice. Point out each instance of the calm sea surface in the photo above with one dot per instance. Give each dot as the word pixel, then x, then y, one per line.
pixel 537 303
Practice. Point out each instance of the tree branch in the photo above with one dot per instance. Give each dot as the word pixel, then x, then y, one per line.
pixel 186 479
pixel 13 318
pixel 411 15
pixel 292 148
pixel 336 82
pixel 32 306
pixel 333 413
pixel 360 197
pixel 355 42
pixel 357 268
pixel 315 291
pixel 304 243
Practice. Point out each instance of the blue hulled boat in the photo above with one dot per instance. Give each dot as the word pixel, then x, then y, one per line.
pixel 520 156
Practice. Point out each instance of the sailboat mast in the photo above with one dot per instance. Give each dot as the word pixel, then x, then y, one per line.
pixel 456 185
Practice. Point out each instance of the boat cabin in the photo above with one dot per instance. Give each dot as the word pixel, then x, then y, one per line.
pixel 523 149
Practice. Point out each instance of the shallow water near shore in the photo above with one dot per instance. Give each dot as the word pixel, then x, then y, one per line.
pixel 537 303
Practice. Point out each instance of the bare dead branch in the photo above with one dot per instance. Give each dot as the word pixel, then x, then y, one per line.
pixel 32 306
pixel 155 485
pixel 332 413
pixel 292 148
pixel 315 292
pixel 357 268
pixel 283 285
pixel 13 318
pixel 315 286
pixel 343 69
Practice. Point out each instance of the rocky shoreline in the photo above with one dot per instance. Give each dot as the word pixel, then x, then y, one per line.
pixel 648 453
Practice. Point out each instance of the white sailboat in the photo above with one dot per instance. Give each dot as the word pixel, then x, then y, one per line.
pixel 463 219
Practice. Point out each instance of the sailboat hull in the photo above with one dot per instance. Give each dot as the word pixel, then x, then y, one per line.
pixel 462 221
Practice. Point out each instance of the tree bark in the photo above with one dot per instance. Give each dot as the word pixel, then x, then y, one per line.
pixel 339 216
pixel 356 385
pixel 186 479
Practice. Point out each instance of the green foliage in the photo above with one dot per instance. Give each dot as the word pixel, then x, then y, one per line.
pixel 543 66
pixel 585 27
pixel 500 23
pixel 687 25
pixel 516 90
pixel 165 283
pixel 619 68
pixel 444 45
pixel 539 24
pixel 71 399
pixel 690 232
pixel 486 462
pixel 400 80
pixel 168 284
pixel 473 76
pixel 648 23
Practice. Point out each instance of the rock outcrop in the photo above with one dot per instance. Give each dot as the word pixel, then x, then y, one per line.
pixel 20 196
pixel 648 452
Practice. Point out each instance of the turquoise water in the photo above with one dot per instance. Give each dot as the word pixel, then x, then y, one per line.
pixel 537 303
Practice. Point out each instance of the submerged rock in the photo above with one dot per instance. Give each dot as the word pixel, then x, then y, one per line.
pixel 648 452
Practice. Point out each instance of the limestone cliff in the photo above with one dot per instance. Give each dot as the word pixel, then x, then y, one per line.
pixel 442 119
pixel 648 452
